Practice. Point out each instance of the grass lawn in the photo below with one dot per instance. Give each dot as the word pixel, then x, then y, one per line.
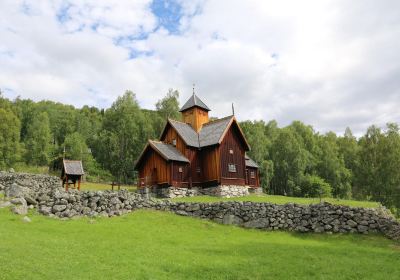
pixel 160 245
pixel 104 186
pixel 279 199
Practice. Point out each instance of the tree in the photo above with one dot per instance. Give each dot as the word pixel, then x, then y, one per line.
pixel 331 167
pixel 124 133
pixel 290 160
pixel 257 139
pixel 168 107
pixel 9 138
pixel 38 140
pixel 349 151
pixel 314 186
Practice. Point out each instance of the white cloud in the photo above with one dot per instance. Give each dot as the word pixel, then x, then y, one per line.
pixel 330 64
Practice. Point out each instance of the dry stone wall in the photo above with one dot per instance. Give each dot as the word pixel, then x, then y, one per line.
pixel 219 191
pixel 51 200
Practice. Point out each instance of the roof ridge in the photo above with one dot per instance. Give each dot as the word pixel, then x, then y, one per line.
pixel 177 121
pixel 217 120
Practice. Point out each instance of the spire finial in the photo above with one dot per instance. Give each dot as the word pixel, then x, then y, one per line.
pixel 233 110
pixel 193 88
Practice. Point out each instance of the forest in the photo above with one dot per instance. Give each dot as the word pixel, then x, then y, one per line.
pixel 294 160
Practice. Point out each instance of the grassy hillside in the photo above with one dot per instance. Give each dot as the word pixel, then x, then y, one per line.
pixel 159 245
pixel 279 199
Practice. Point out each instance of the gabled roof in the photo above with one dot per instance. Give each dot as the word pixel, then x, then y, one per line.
pixel 250 162
pixel 211 133
pixel 73 167
pixel 166 151
pixel 194 101
pixel 186 132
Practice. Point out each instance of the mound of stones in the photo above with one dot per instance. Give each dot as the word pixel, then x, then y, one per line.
pixel 47 196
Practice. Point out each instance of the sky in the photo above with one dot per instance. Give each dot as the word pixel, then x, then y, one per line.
pixel 330 64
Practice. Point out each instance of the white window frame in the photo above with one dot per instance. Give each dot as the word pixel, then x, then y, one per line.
pixel 232 167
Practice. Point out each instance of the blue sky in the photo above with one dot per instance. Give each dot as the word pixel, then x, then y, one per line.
pixel 317 61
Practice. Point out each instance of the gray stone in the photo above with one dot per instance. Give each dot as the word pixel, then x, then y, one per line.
pixel 15 191
pixel 45 210
pixel 18 201
pixel 181 213
pixel 362 229
pixel 351 223
pixel 26 219
pixel 30 200
pixel 59 208
pixel 258 223
pixel 230 219
pixel 20 209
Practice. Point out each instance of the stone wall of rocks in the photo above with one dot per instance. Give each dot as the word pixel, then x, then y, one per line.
pixel 227 191
pixel 320 218
pixel 27 185
pixel 219 191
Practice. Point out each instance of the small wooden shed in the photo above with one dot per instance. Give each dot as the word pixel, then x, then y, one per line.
pixel 72 172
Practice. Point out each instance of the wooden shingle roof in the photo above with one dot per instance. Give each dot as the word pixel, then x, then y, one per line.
pixel 185 131
pixel 194 101
pixel 250 162
pixel 168 151
pixel 73 167
pixel 211 133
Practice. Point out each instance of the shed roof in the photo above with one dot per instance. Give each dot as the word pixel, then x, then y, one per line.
pixel 194 101
pixel 250 162
pixel 73 167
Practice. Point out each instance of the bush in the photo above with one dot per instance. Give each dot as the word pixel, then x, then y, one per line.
pixel 314 186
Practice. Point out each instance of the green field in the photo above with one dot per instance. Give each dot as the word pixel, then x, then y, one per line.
pixel 279 199
pixel 160 245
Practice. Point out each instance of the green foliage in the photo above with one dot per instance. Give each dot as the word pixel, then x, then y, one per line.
pixel 38 140
pixel 290 162
pixel 159 245
pixel 293 160
pixel 331 166
pixel 124 133
pixel 168 107
pixel 9 138
pixel 314 186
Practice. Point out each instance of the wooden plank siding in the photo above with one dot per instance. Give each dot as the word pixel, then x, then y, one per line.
pixel 171 135
pixel 252 182
pixel 180 174
pixel 195 117
pixel 232 152
pixel 154 170
pixel 210 162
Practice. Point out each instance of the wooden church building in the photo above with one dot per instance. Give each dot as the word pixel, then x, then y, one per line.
pixel 198 152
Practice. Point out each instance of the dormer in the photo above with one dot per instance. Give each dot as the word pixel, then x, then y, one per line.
pixel 195 113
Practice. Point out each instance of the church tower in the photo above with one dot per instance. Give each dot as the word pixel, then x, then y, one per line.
pixel 195 113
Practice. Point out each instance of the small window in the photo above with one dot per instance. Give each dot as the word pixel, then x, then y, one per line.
pixel 231 151
pixel 180 169
pixel 231 167
pixel 173 142
pixel 252 174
